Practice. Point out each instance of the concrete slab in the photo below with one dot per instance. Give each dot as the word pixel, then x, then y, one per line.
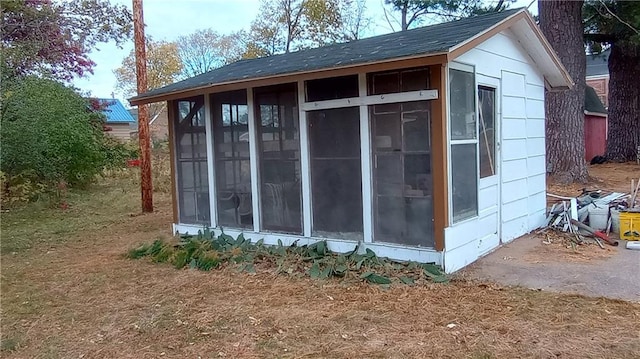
pixel 525 262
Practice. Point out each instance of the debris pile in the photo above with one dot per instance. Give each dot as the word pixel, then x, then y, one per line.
pixel 593 215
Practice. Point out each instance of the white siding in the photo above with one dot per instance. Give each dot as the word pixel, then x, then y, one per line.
pixel 522 158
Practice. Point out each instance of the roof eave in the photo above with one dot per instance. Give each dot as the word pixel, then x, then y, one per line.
pixel 597 114
pixel 141 100
pixel 565 82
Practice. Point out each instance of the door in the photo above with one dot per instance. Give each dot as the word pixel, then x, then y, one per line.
pixel 336 174
pixel 489 159
pixel 403 204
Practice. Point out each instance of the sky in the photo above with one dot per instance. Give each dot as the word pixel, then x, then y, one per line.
pixel 170 19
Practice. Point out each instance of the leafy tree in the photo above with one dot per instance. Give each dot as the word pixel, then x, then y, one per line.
pixel 413 12
pixel 163 68
pixel 617 24
pixel 53 38
pixel 561 23
pixel 286 25
pixel 205 50
pixel 354 19
pixel 49 134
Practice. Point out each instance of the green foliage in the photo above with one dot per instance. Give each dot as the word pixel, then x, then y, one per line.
pixel 206 251
pixel 49 138
pixel 611 21
pixel 118 152
pixel 48 131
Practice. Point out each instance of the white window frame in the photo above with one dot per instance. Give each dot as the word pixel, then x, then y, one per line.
pixel 450 142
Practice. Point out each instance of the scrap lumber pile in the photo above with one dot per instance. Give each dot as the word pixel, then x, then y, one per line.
pixel 592 216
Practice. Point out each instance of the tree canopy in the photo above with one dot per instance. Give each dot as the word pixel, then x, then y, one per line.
pixel 414 12
pixel 53 38
pixel 164 67
pixel 205 50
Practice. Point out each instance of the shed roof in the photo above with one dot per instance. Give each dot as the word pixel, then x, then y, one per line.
pixel 597 64
pixel 592 103
pixel 419 42
pixel 115 111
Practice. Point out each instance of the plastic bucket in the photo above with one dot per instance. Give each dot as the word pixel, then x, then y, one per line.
pixel 598 217
pixel 615 220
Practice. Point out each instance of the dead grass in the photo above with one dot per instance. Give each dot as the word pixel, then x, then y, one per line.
pixel 74 295
pixel 608 176
pixel 557 248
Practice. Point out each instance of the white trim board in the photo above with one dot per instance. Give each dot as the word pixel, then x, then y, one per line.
pixel 371 100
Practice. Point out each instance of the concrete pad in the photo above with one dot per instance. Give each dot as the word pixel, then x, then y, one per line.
pixel 616 275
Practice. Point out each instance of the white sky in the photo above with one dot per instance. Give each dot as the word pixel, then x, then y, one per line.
pixel 169 19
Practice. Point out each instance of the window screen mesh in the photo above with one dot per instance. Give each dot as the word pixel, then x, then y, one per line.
pixel 191 158
pixel 279 138
pixel 336 177
pixel 232 167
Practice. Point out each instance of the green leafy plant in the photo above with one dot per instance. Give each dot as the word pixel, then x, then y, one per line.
pixel 207 251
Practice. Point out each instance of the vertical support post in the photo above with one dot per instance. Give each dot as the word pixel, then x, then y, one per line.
pixel 439 158
pixel 146 185
pixel 172 120
pixel 305 172
pixel 253 161
pixel 365 158
pixel 211 161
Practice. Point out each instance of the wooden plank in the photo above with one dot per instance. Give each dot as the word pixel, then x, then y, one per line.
pixel 208 121
pixel 172 118
pixel 305 172
pixel 365 156
pixel 439 158
pixel 364 100
pixel 253 161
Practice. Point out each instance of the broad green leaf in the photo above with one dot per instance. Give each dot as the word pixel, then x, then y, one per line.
pixel 314 271
pixel 432 269
pixel 325 273
pixel 378 279
pixel 407 280
pixel 322 248
pixel 365 275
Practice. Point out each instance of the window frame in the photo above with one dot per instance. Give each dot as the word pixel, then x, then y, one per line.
pixel 494 89
pixel 458 66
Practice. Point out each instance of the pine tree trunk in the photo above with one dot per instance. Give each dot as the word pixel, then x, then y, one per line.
pixel 623 136
pixel 561 23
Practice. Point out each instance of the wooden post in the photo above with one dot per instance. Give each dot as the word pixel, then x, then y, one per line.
pixel 146 185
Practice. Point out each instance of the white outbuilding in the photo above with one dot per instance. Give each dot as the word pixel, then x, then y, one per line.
pixel 425 145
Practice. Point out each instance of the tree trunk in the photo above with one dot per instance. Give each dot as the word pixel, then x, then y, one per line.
pixel 561 23
pixel 623 136
pixel 403 16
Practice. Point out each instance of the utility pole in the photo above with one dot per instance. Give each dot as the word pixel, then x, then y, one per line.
pixel 146 185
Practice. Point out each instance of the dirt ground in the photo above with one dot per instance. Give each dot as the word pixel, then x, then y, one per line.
pixel 68 292
pixel 608 176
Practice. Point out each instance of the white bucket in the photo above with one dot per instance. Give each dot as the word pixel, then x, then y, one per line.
pixel 615 220
pixel 598 217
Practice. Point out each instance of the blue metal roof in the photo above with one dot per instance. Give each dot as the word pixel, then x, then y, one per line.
pixel 115 111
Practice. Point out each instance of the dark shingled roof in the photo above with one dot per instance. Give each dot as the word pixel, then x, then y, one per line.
pixel 420 41
pixel 592 102
pixel 597 65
